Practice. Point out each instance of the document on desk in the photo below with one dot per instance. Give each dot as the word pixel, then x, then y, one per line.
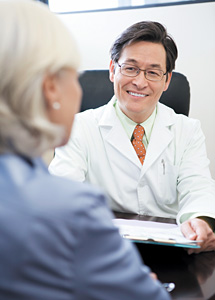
pixel 153 233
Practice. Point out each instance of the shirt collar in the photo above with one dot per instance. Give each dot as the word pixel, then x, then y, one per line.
pixel 129 125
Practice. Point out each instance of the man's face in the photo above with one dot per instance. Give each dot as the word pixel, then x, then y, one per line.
pixel 137 96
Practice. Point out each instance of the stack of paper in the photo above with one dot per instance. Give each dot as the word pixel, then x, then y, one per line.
pixel 153 233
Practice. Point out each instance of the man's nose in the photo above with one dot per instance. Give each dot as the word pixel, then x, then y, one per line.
pixel 140 80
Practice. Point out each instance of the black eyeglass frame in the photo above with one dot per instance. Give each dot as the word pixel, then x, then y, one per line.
pixel 144 71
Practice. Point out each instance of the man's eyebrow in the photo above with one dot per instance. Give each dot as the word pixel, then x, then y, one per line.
pixel 131 60
pixel 157 66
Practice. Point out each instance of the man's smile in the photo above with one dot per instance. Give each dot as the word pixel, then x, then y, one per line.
pixel 136 94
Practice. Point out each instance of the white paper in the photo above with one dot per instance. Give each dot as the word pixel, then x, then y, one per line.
pixel 146 230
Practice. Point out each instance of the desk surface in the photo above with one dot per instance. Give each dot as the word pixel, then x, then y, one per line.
pixel 193 275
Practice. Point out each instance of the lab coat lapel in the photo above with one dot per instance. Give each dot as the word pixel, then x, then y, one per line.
pixel 114 135
pixel 161 135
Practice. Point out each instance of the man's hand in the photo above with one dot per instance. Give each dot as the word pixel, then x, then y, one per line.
pixel 199 230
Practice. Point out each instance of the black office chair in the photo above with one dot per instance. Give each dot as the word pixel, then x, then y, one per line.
pixel 98 90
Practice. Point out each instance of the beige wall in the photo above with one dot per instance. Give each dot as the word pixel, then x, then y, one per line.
pixel 47 156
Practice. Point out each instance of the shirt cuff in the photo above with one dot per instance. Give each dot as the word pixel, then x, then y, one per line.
pixel 209 218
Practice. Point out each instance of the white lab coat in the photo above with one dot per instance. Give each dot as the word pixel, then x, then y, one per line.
pixel 174 179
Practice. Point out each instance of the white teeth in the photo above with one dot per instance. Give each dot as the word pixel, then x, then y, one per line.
pixel 136 94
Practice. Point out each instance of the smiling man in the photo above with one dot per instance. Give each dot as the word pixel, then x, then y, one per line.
pixel 148 159
pixel 139 78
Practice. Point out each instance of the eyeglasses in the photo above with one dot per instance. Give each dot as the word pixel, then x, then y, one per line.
pixel 133 71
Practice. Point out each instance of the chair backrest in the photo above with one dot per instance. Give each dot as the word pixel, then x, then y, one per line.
pixel 98 90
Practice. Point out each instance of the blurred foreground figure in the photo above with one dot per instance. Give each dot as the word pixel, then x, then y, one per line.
pixel 57 240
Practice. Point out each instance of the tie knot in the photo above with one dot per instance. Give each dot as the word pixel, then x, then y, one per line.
pixel 138 132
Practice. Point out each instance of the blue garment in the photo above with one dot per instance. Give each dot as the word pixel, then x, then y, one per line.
pixel 57 241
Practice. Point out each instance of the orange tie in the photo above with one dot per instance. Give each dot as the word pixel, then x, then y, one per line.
pixel 138 144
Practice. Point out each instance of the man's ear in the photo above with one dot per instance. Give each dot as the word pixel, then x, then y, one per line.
pixel 50 90
pixel 111 70
pixel 169 76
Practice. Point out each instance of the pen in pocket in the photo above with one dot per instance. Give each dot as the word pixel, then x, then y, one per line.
pixel 163 163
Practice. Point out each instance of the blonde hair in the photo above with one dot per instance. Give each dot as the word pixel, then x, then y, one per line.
pixel 34 43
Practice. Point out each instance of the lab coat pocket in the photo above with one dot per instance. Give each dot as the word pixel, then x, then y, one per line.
pixel 167 180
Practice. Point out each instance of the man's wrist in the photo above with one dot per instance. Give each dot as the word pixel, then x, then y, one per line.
pixel 209 221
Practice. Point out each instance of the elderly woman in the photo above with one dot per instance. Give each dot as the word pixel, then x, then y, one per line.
pixel 57 240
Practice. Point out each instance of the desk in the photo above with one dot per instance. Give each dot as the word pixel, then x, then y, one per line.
pixel 193 275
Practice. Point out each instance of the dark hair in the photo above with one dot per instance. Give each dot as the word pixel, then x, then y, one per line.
pixel 146 31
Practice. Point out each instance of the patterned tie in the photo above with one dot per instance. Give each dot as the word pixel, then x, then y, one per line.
pixel 138 144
